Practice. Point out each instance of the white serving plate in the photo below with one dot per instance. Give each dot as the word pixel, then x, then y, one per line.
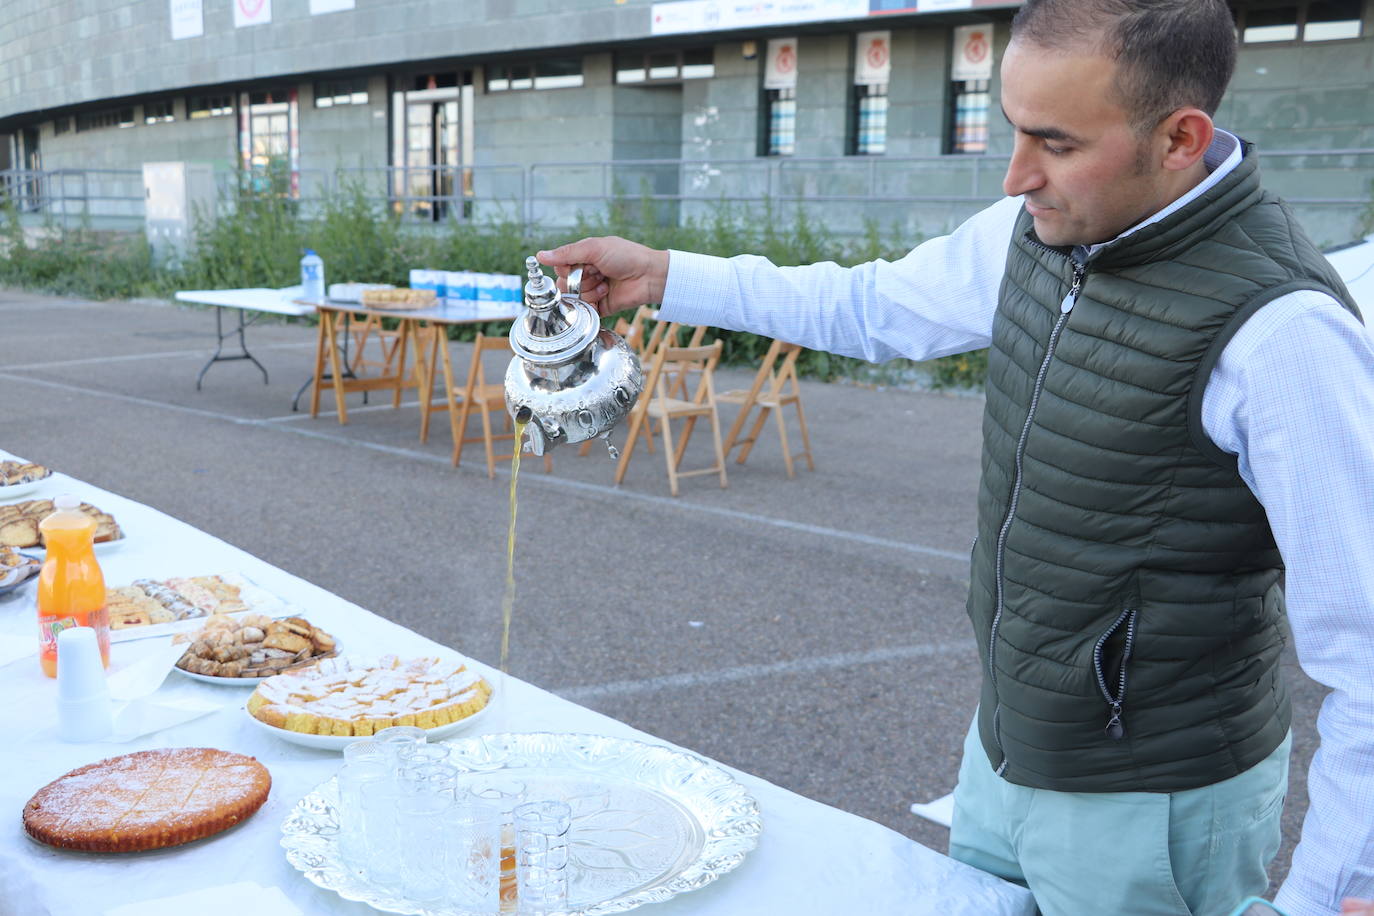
pixel 258 599
pixel 337 743
pixel 16 490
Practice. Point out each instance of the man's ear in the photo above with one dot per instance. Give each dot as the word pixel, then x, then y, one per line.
pixel 1186 134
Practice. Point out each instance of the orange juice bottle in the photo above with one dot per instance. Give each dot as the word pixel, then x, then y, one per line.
pixel 71 588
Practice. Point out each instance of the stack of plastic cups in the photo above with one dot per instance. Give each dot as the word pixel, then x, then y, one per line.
pixel 541 856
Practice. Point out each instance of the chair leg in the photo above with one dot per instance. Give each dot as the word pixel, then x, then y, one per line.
pixel 668 454
pixel 782 435
pixel 806 440
pixel 486 439
pixel 720 451
pixel 460 431
pixel 686 434
pixel 748 444
pixel 736 427
pixel 636 420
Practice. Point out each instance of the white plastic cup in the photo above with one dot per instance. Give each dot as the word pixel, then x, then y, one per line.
pixel 84 711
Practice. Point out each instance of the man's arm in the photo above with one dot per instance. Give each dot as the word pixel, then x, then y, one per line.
pixel 1293 397
pixel 937 300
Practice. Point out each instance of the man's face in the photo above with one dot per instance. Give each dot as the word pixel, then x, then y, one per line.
pixel 1086 173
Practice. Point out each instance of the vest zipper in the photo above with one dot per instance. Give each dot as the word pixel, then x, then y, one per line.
pixel 1115 728
pixel 1065 307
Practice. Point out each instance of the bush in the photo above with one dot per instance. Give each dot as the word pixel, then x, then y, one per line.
pixel 259 241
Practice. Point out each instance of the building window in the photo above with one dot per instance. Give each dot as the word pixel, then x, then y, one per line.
pixel 1310 20
pixel 61 125
pixel 664 66
pixel 268 142
pixel 158 112
pixel 332 93
pixel 969 124
pixel 780 108
pixel 550 73
pixel 113 117
pixel 870 119
pixel 209 106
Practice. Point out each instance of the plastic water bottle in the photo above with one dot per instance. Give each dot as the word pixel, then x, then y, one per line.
pixel 312 277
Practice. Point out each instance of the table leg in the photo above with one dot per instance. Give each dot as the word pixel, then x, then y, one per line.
pixel 321 341
pixel 218 356
pixel 407 328
pixel 336 374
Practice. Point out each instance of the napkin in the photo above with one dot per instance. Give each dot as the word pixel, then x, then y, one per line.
pixel 941 811
pixel 132 688
pixel 224 900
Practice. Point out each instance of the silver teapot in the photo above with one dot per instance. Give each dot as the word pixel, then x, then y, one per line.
pixel 571 379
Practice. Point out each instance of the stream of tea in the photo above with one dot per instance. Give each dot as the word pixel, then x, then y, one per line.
pixel 508 601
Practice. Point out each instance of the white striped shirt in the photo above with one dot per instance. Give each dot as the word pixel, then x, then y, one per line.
pixel 1292 397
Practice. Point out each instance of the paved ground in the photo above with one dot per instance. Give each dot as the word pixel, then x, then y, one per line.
pixel 810 631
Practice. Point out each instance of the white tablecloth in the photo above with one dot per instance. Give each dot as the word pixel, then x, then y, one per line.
pixel 811 858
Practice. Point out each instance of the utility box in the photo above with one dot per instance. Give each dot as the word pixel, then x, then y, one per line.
pixel 175 194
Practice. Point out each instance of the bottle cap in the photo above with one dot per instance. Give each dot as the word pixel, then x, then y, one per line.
pixel 309 252
pixel 66 503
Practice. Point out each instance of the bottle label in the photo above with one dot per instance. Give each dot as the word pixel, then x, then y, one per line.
pixel 49 627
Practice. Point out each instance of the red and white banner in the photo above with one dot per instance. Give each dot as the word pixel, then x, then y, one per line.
pixel 972 53
pixel 252 12
pixel 872 58
pixel 780 69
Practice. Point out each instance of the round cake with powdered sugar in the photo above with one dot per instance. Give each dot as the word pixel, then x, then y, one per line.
pixel 147 800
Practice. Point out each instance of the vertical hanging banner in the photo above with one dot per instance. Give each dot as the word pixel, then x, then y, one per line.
pixel 972 53
pixel 188 18
pixel 329 6
pixel 872 58
pixel 780 69
pixel 252 12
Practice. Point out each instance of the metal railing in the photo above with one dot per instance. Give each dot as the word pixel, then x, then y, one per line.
pixel 914 196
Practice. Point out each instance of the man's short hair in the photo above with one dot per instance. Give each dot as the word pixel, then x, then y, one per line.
pixel 1170 54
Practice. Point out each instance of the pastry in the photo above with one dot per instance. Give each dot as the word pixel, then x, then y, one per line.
pixel 17 472
pixel 346 696
pixel 147 800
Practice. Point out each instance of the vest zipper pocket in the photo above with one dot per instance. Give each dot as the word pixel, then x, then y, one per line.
pixel 1116 702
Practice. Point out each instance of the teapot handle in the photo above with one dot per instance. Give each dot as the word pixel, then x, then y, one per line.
pixel 574 283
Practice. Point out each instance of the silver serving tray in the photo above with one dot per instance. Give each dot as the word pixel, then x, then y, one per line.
pixel 649 822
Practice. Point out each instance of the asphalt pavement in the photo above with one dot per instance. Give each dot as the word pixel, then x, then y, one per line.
pixel 809 630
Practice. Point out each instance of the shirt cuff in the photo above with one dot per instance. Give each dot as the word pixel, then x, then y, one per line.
pixel 692 293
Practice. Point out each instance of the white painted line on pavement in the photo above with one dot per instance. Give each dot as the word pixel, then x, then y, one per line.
pixel 541 480
pixel 811 665
pixel 136 357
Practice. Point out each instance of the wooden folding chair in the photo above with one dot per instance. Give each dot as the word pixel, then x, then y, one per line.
pixel 775 386
pixel 389 343
pixel 657 403
pixel 484 398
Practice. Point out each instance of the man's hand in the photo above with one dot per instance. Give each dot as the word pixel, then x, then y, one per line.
pixel 1352 907
pixel 617 274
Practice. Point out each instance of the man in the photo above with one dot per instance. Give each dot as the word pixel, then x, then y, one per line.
pixel 1178 404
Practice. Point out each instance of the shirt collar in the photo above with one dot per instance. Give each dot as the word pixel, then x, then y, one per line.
pixel 1223 155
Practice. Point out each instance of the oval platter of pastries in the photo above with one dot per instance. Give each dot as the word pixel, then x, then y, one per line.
pixel 247 649
pixel 19 524
pixel 336 701
pixel 147 800
pixel 20 477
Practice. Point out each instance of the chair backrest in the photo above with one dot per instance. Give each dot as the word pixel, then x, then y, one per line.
pixel 481 344
pixel 771 377
pixel 676 362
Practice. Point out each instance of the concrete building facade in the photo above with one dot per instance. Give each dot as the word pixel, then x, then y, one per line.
pixel 536 108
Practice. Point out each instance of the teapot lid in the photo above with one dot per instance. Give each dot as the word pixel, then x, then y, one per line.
pixel 554 328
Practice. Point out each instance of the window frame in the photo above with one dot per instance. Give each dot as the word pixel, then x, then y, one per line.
pixel 331 99
pixel 530 78
pixel 1240 12
pixel 678 67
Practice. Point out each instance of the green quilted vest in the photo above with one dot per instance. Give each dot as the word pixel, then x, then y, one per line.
pixel 1125 584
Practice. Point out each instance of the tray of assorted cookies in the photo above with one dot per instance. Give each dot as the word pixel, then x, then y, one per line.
pixel 247 649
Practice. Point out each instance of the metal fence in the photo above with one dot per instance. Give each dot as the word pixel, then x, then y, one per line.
pixel 906 196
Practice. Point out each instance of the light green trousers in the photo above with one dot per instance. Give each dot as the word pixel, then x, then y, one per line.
pixel 1192 853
